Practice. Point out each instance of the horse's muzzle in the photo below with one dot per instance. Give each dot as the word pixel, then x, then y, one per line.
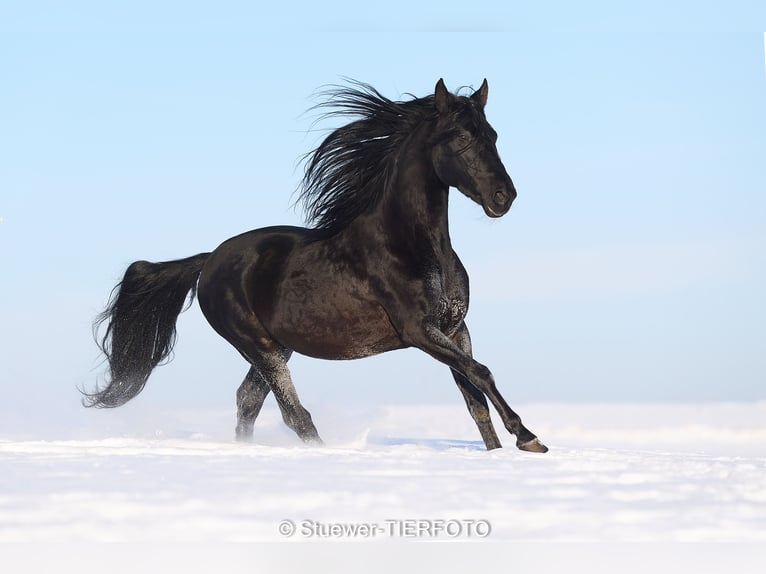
pixel 500 201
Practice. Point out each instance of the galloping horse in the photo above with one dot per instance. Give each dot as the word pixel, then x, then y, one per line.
pixel 374 273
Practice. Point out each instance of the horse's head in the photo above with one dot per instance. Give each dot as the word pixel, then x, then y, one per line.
pixel 464 153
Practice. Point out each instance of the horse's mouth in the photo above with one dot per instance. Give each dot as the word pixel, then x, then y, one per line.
pixel 493 213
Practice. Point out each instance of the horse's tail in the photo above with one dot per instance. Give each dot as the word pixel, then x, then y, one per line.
pixel 140 323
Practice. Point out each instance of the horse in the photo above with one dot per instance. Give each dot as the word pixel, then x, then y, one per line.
pixel 373 272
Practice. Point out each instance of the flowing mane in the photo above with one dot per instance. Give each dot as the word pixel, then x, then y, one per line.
pixel 347 173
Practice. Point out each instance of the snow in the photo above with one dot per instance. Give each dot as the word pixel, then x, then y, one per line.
pixel 647 479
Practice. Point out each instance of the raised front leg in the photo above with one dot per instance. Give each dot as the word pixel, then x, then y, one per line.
pixel 442 348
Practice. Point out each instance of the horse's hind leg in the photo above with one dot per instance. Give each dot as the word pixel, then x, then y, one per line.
pixel 273 368
pixel 474 398
pixel 228 312
pixel 250 396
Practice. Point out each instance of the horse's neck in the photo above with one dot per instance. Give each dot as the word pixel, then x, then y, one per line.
pixel 415 203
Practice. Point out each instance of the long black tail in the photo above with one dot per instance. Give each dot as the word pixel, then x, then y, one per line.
pixel 141 324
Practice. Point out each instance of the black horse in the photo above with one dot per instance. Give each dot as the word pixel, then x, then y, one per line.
pixel 376 272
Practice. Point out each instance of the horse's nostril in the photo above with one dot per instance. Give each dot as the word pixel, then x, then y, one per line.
pixel 501 197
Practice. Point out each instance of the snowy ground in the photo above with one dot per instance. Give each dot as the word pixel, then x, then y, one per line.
pixel 615 475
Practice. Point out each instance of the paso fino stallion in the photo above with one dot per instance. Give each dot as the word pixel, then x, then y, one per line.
pixel 375 272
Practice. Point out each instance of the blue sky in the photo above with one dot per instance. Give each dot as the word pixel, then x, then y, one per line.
pixel 631 267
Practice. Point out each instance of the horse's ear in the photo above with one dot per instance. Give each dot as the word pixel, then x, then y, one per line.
pixel 441 97
pixel 480 95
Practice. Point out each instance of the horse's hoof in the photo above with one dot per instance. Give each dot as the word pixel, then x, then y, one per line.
pixel 533 445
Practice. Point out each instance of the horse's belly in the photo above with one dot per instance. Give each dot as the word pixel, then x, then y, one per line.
pixel 334 325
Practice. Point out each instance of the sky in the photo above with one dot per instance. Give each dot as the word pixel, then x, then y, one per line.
pixel 631 267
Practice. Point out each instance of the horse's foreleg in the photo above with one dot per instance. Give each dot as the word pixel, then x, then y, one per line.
pixel 474 398
pixel 443 349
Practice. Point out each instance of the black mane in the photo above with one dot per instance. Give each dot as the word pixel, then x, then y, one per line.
pixel 347 173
